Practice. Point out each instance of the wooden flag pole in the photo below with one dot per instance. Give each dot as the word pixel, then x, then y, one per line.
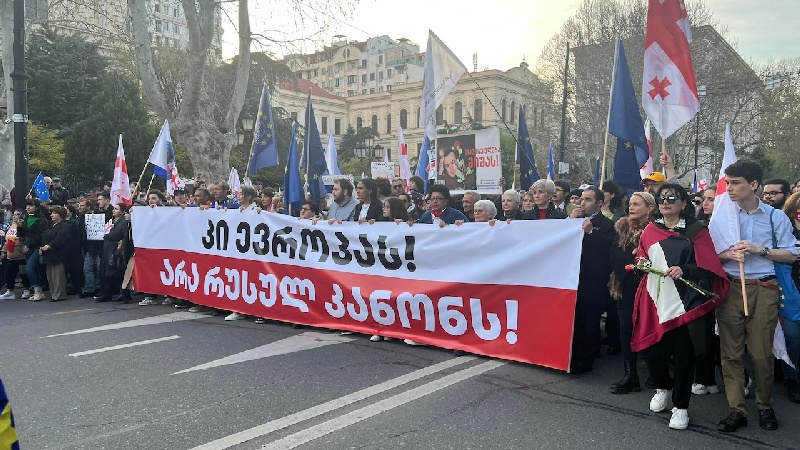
pixel 744 291
pixel 139 183
pixel 151 181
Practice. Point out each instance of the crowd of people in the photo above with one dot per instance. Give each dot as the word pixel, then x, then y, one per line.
pixel 45 247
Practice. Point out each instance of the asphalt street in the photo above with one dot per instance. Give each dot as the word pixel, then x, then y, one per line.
pixel 85 375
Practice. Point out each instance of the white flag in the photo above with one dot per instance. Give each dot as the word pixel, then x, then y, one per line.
pixel 332 156
pixel 724 224
pixel 234 182
pixel 441 74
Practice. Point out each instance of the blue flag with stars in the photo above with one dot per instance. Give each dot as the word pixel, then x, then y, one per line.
pixel 625 122
pixel 314 162
pixel 292 184
pixel 264 152
pixel 40 188
pixel 527 164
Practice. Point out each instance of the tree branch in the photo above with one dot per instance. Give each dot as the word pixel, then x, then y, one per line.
pixel 144 58
pixel 242 70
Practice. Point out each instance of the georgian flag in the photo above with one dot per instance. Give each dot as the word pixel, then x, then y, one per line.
pixel 120 186
pixel 669 91
pixel 405 167
pixel 441 73
pixel 647 168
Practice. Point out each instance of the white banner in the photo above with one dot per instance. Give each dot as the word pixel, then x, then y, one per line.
pixel 383 169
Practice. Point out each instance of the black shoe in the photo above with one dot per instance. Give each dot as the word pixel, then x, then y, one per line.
pixel 792 391
pixel 86 294
pixel 767 420
pixel 57 299
pixel 103 299
pixel 459 353
pixel 581 366
pixel 733 422
pixel 613 351
pixel 629 382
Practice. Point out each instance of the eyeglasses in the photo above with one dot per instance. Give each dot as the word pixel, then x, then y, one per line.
pixel 397 186
pixel 697 202
pixel 772 193
pixel 669 199
pixel 437 199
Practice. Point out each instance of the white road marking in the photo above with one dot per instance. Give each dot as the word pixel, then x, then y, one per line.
pixel 305 341
pixel 164 318
pixel 341 402
pixel 132 344
pixel 317 431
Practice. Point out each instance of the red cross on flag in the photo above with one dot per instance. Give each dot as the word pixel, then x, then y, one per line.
pixel 669 91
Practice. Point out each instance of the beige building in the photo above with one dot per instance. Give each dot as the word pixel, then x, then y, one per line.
pixel 384 111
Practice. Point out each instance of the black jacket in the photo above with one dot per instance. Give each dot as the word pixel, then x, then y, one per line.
pixel 552 213
pixel 374 212
pixel 59 238
pixel 596 260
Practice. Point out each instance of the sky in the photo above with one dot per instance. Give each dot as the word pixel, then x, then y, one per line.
pixel 503 32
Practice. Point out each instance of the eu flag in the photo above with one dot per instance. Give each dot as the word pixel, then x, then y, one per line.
pixel 264 152
pixel 314 161
pixel 527 164
pixel 625 122
pixel 40 188
pixel 292 185
pixel 8 432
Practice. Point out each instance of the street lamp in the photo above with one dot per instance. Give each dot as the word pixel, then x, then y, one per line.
pixel 245 135
pixel 361 151
pixel 377 151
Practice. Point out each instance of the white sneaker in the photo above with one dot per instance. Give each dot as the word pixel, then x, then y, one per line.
pixel 679 419
pixel 9 295
pixel 410 342
pixel 701 389
pixel 345 333
pixel 375 338
pixel 26 294
pixel 659 401
pixel 235 316
pixel 168 301
pixel 748 387
pixel 199 309
pixel 148 301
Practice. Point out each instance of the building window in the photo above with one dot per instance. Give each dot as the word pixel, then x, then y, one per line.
pixel 359 124
pixel 176 28
pixel 388 73
pixel 363 91
pixel 364 78
pixel 503 107
pixel 351 93
pixel 346 53
pixel 351 65
pixel 175 12
pixel 458 113
pixel 371 90
pixel 158 26
pixel 363 63
pixel 403 118
pixel 157 8
pixel 380 88
pixel 513 112
pixel 477 114
pixel 389 123
pixel 380 59
pixel 351 79
pixel 439 115
pixel 375 123
pixel 389 88
pixel 324 125
pixel 372 77
pixel 337 126
pixel 337 82
pixel 380 76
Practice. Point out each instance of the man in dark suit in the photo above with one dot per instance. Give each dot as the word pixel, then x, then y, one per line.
pixel 593 281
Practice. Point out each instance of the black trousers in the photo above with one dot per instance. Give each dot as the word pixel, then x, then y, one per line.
pixel 625 316
pixel 676 343
pixel 706 363
pixel 586 331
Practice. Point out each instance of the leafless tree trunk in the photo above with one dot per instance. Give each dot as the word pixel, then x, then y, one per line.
pixel 7 129
pixel 208 140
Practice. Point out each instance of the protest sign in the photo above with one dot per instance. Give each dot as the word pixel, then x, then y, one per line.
pixel 95 226
pixel 470 161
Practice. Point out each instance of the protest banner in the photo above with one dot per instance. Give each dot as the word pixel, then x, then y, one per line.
pixel 383 169
pixel 95 226
pixel 452 287
pixel 470 161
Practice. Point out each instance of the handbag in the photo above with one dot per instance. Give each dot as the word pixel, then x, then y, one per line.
pixel 788 296
pixel 116 265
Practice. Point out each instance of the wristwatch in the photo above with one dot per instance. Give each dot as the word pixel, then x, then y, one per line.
pixel 765 251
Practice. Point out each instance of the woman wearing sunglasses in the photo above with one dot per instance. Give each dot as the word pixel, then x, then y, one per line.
pixel 669 317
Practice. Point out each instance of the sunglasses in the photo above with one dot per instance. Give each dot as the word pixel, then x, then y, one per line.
pixel 669 199
pixel 697 202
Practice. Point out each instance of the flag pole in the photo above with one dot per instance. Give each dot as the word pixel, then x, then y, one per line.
pixel 608 116
pixel 139 183
pixel 151 181
pixel 744 291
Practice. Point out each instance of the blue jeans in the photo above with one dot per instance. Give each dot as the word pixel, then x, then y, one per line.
pixel 791 332
pixel 32 268
pixel 91 272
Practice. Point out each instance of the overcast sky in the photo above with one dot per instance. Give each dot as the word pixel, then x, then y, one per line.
pixel 502 32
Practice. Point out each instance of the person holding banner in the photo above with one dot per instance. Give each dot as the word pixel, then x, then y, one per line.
pixel 343 201
pixel 441 214
pixel 369 207
pixel 542 192
pixel 510 203
pixel 756 328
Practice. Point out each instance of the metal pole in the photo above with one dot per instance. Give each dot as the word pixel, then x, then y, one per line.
pixel 564 108
pixel 696 139
pixel 20 117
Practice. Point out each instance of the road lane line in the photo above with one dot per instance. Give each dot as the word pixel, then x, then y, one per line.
pixel 71 311
pixel 341 402
pixel 305 341
pixel 325 428
pixel 117 347
pixel 154 320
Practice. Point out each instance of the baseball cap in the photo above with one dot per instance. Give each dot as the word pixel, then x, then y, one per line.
pixel 656 177
pixel 56 179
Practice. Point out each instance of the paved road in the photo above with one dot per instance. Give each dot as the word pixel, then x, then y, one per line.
pixel 77 381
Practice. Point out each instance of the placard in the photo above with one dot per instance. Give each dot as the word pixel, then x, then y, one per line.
pixel 95 226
